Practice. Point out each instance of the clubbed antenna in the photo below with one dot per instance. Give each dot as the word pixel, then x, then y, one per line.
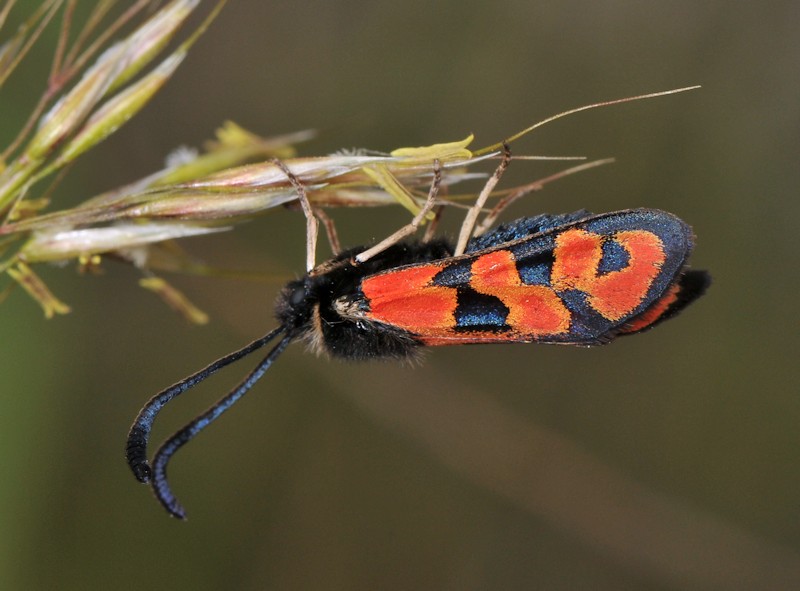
pixel 160 484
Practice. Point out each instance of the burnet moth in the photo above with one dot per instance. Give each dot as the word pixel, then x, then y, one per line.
pixel 573 279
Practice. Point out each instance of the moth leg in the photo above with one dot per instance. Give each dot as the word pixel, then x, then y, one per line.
pixel 412 226
pixel 491 217
pixel 472 215
pixel 430 231
pixel 330 231
pixel 537 185
pixel 312 225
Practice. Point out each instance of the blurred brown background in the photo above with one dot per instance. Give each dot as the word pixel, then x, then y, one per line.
pixel 664 461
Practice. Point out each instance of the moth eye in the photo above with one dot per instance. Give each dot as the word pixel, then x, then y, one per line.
pixel 297 296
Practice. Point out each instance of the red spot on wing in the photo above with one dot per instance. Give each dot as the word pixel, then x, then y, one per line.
pixel 534 310
pixel 615 294
pixel 405 299
pixel 577 257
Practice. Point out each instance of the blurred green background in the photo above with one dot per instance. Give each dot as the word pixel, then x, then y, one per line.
pixel 664 461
